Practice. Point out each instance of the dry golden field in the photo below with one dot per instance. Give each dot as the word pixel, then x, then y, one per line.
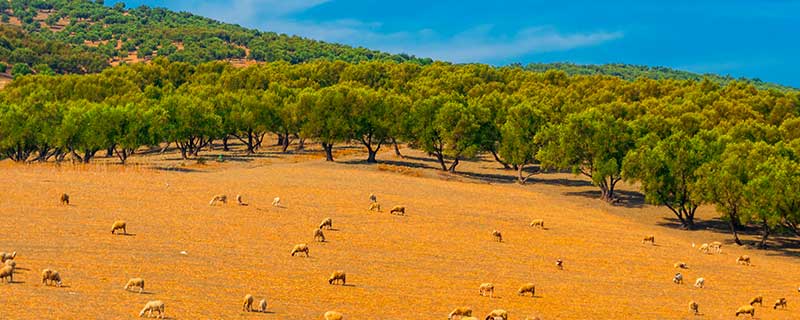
pixel 418 266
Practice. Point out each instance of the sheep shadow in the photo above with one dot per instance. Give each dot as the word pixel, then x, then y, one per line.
pixel 125 234
pixel 349 285
pixel 14 282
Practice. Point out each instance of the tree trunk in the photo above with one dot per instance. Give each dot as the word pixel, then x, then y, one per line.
pixel 110 151
pixel 440 157
pixel 250 145
pixel 280 140
pixel 396 148
pixel 372 153
pixel 497 158
pixel 301 144
pixel 285 145
pixel 732 224
pixel 328 147
pixel 225 143
pixel 764 235
pixel 164 149
pixel 453 165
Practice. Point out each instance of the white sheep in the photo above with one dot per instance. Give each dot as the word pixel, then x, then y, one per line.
pixel 538 223
pixel 560 264
pixel 678 279
pixel 717 246
pixel 757 299
pixel 781 303
pixel 119 225
pixel 373 198
pixel 247 305
pixel 218 198
pixel 239 200
pixel 498 313
pixel 52 277
pixel 7 272
pixel 262 305
pixel 338 276
pixel 300 248
pixel 276 202
pixel 746 310
pixel 7 256
pixel 135 283
pixel 318 235
pixel 154 306
pixel 486 288
pixel 461 312
pixel 745 260
pixel 326 224
pixel 704 248
pixel 11 263
pixel 527 288
pixel 700 282
pixel 375 207
pixel 333 315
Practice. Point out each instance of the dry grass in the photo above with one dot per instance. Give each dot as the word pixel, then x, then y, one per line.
pixel 420 265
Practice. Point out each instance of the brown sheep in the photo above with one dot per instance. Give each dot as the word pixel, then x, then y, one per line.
pixel 560 264
pixel 757 299
pixel 247 305
pixel 300 248
pixel 398 210
pixel 7 256
pixel 461 312
pixel 373 198
pixel 780 303
pixel 745 260
pixel 694 307
pixel 51 276
pixel 333 315
pixel 746 310
pixel 326 224
pixel 486 288
pixel 497 236
pixel 498 313
pixel 218 198
pixel 64 199
pixel 318 235
pixel 527 288
pixel 650 238
pixel 681 265
pixel 119 225
pixel 338 276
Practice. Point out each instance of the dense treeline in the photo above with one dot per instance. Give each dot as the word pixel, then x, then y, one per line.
pixel 686 143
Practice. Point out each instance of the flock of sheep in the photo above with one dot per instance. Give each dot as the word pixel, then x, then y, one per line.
pixel 716 247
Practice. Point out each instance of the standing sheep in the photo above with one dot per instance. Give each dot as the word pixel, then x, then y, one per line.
pixel 486 288
pixel 745 260
pixel 398 210
pixel 262 305
pixel 373 198
pixel 64 199
pixel 318 235
pixel 538 223
pixel 155 305
pixel 326 224
pixel 694 307
pixel 300 248
pixel 7 272
pixel 704 248
pixel 560 264
pixel 338 276
pixel 650 238
pixel 7 256
pixel 333 315
pixel 218 198
pixel 497 236
pixel 239 200
pixel 276 202
pixel 135 283
pixel 700 283
pixel 780 303
pixel 51 276
pixel 461 312
pixel 527 288
pixel 247 305
pixel 678 279
pixel 746 310
pixel 119 225
pixel 717 246
pixel 757 299
pixel 498 313
pixel 375 207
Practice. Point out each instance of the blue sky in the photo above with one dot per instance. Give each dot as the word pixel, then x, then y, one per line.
pixel 755 39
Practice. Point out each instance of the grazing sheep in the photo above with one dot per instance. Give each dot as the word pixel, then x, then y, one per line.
pixel 319 235
pixel 262 305
pixel 461 312
pixel 498 313
pixel 538 223
pixel 527 288
pixel 398 210
pixel 704 248
pixel 155 305
pixel 375 207
pixel 373 198
pixel 745 260
pixel 326 224
pixel 135 283
pixel 300 248
pixel 681 265
pixel 51 276
pixel 780 303
pixel 700 282
pixel 276 202
pixel 560 264
pixel 247 305
pixel 694 307
pixel 65 199
pixel 333 315
pixel 746 310
pixel 119 225
pixel 7 256
pixel 717 246
pixel 218 198
pixel 757 299
pixel 678 279
pixel 239 200
pixel 338 276
pixel 497 236
pixel 7 272
pixel 650 238
pixel 486 288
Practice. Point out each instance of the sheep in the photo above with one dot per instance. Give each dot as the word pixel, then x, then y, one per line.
pixel 780 303
pixel 373 198
pixel 746 310
pixel 486 288
pixel 560 264
pixel 375 207
pixel 461 312
pixel 155 305
pixel 11 263
pixel 239 200
pixel 300 248
pixel 398 210
pixel 757 299
pixel 717 246
pixel 64 199
pixel 276 202
pixel 497 236
pixel 538 223
pixel 527 288
pixel 7 256
pixel 7 272
pixel 498 313
pixel 119 225
pixel 326 224
pixel 218 198
pixel 319 235
pixel 51 276
pixel 678 279
pixel 745 260
pixel 262 305
pixel 248 303
pixel 680 265
pixel 704 248
pixel 694 307
pixel 338 276
pixel 651 238
pixel 700 283
pixel 135 283
pixel 333 315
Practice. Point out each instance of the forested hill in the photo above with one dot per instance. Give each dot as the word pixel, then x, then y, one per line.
pixel 82 36
pixel 632 72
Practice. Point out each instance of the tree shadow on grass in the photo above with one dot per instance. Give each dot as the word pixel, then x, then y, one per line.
pixel 627 199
